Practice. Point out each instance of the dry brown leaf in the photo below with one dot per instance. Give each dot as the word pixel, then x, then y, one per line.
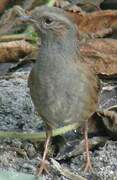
pixel 101 54
pixel 96 21
pixel 9 21
pixel 12 51
pixel 3 4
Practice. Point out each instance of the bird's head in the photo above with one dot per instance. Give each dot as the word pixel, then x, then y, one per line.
pixel 52 21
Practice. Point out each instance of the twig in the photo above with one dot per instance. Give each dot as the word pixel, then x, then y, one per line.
pixel 37 136
pixel 65 171
pixel 15 37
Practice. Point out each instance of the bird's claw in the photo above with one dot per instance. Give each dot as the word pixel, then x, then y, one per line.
pixel 88 167
pixel 42 167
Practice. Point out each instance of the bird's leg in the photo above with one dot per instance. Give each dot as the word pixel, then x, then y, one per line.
pixel 88 165
pixel 43 166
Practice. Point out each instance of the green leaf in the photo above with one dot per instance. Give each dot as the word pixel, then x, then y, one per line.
pixel 51 2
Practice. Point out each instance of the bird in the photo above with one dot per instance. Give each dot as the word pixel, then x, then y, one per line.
pixel 63 88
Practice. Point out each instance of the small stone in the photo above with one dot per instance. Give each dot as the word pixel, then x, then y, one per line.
pixel 30 149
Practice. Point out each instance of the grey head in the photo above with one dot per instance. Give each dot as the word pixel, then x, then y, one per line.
pixel 56 30
pixel 52 21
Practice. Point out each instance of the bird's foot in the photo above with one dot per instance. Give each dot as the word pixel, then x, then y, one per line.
pixel 88 166
pixel 42 167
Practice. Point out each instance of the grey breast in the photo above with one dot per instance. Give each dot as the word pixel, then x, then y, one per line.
pixel 63 99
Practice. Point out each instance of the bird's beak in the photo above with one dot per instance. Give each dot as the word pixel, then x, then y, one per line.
pixel 26 19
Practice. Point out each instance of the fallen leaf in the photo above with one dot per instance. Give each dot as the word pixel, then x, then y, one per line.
pixel 12 51
pixel 101 55
pixel 95 21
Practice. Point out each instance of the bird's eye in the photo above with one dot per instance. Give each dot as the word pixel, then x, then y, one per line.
pixel 48 21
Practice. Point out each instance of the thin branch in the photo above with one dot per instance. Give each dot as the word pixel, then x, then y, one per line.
pixel 35 136
pixel 66 171
pixel 15 37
